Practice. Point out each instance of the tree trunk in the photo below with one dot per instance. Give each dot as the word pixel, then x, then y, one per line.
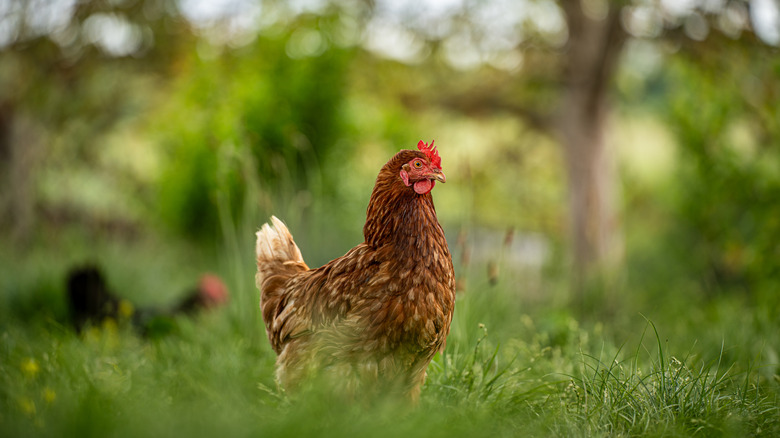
pixel 18 145
pixel 591 59
pixel 6 119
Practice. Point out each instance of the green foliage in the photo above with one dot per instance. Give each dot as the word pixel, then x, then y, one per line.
pixel 251 116
pixel 728 221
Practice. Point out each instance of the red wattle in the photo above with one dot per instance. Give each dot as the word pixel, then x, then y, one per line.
pixel 424 186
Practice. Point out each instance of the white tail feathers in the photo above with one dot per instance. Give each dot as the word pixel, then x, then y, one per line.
pixel 275 243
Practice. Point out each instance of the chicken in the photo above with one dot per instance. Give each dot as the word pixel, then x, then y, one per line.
pixel 376 316
pixel 92 302
pixel 89 298
pixel 210 293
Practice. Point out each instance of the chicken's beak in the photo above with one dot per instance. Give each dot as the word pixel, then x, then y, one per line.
pixel 438 175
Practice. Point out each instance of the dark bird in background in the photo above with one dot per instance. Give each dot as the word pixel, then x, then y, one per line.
pixel 377 315
pixel 92 302
pixel 89 299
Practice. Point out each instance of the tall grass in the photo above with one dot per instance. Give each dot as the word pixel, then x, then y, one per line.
pixel 509 369
pixel 670 396
pixel 209 379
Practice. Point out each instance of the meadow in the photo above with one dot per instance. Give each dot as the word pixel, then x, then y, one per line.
pixel 513 365
pixel 633 142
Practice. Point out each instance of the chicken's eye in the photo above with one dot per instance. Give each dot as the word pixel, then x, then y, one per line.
pixel 418 164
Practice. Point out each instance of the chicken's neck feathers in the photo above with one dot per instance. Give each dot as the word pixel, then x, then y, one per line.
pixel 400 218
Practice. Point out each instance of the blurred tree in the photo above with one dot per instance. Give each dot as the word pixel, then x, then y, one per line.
pixel 590 62
pixel 69 71
pixel 233 109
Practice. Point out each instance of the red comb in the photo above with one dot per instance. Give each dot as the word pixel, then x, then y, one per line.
pixel 430 152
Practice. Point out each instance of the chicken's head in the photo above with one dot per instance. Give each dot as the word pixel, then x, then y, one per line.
pixel 421 173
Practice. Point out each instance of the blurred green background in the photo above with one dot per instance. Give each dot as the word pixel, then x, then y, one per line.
pixel 608 163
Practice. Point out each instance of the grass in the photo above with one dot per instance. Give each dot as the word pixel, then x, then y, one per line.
pixel 503 373
pixel 669 397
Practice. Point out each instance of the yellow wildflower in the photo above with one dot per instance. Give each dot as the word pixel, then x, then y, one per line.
pixel 92 335
pixel 126 309
pixel 49 395
pixel 30 367
pixel 109 325
pixel 27 405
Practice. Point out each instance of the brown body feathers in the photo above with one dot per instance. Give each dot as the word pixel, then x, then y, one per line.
pixel 378 314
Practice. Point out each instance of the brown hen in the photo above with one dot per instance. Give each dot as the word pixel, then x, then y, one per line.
pixel 375 317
